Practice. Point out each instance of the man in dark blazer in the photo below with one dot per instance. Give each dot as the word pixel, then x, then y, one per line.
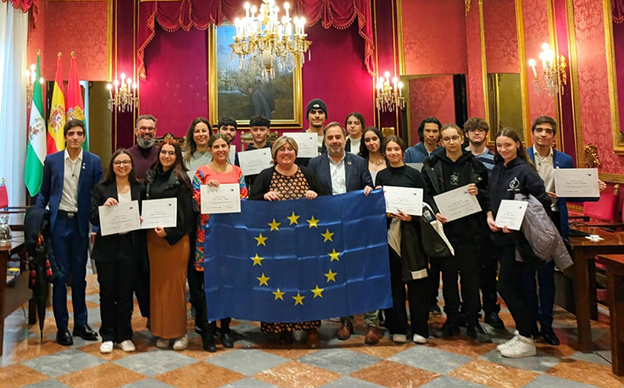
pixel 68 178
pixel 339 172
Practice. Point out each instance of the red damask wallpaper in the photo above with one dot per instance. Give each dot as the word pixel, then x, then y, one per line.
pixel 501 36
pixel 593 83
pixel 431 96
pixel 434 37
pixel 80 27
pixel 474 80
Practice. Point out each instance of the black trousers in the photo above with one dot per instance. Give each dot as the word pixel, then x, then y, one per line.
pixel 197 296
pixel 510 287
pixel 465 264
pixel 417 295
pixel 488 275
pixel 434 282
pixel 117 279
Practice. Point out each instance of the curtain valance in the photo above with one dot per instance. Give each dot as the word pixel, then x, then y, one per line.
pixel 25 6
pixel 618 11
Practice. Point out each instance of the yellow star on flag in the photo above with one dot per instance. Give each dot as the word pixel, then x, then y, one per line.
pixel 279 294
pixel 328 235
pixel 318 291
pixel 274 225
pixel 331 276
pixel 333 255
pixel 293 219
pixel 313 221
pixel 257 260
pixel 298 299
pixel 263 280
pixel 261 240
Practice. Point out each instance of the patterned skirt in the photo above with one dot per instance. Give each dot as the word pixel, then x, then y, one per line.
pixel 273 327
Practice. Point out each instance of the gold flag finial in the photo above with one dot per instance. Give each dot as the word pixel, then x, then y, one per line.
pixel 60 54
pixel 73 55
pixel 38 52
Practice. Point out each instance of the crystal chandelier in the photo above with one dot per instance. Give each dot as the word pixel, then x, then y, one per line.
pixel 123 97
pixel 555 77
pixel 31 75
pixel 389 97
pixel 264 42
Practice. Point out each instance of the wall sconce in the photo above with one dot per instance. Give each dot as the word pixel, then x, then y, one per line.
pixel 389 97
pixel 31 74
pixel 124 97
pixel 554 68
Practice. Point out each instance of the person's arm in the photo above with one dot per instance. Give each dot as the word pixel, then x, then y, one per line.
pixel 429 191
pixel 534 185
pixel 184 216
pixel 261 184
pixel 313 181
pixel 243 185
pixel 43 198
pixel 97 200
pixel 197 182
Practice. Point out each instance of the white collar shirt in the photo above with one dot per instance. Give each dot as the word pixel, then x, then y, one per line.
pixel 71 177
pixel 338 175
pixel 545 168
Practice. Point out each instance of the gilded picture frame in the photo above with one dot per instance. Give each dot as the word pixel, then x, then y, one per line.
pixel 618 134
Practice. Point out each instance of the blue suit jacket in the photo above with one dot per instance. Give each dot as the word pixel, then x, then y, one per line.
pixel 356 172
pixel 560 160
pixel 52 186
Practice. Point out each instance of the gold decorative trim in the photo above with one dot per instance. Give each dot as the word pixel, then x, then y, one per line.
pixel 376 112
pixel 592 160
pixel 400 33
pixel 554 42
pixel 395 64
pixel 611 178
pixel 467 6
pixel 486 102
pixel 618 145
pixel 574 83
pixel 109 42
pixel 524 93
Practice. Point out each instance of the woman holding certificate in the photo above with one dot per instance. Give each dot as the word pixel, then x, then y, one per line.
pixel 513 173
pixel 215 173
pixel 406 252
pixel 370 149
pixel 169 248
pixel 285 181
pixel 118 256
pixel 445 170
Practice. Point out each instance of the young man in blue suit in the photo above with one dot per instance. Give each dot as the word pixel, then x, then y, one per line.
pixel 68 178
pixel 339 172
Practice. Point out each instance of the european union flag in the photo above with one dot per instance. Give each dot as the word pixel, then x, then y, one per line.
pixel 301 260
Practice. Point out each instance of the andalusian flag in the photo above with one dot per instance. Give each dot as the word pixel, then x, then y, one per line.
pixel 36 138
pixel 56 122
pixel 75 105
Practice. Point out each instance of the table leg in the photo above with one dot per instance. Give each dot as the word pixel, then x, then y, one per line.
pixel 615 289
pixel 593 297
pixel 582 300
pixel 4 259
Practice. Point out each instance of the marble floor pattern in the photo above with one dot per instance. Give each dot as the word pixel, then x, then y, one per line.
pixel 256 362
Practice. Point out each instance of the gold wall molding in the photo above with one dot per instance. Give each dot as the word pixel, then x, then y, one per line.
pixel 467 5
pixel 574 84
pixel 611 178
pixel 618 144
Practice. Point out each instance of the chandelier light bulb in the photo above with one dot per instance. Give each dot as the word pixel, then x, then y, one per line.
pixel 41 81
pixel 545 46
pixel 532 62
pixel 247 6
pixel 395 80
pixel 27 73
pixel 134 85
pixel 116 83
pixel 109 86
pixel 32 67
pixel 400 85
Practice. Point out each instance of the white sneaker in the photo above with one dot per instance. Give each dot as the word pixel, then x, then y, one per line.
pixel 106 347
pixel 511 341
pixel 399 338
pixel 522 347
pixel 181 343
pixel 419 339
pixel 127 346
pixel 162 343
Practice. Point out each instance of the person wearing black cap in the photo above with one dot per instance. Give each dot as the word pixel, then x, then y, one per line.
pixel 316 114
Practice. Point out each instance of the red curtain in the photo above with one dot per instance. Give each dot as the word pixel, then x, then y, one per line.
pixel 25 6
pixel 618 11
pixel 200 14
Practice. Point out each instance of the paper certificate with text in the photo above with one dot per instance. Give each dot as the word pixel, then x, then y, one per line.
pixel 307 143
pixel 457 203
pixel 121 218
pixel 254 161
pixel 576 182
pixel 159 212
pixel 407 199
pixel 510 214
pixel 222 199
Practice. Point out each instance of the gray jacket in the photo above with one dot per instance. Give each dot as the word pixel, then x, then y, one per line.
pixel 542 234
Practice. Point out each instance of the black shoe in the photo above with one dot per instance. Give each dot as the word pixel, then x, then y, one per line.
pixel 209 342
pixel 447 330
pixel 461 321
pixel 435 310
pixel 86 333
pixel 477 332
pixel 63 337
pixel 198 330
pixel 226 339
pixel 494 320
pixel 549 336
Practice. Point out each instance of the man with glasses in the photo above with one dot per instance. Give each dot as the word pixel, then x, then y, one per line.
pixel 144 153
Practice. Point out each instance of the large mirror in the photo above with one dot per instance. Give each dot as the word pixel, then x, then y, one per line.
pixel 615 61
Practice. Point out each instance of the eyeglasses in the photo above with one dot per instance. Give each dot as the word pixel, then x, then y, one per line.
pixel 170 153
pixel 455 139
pixel 147 129
pixel 118 163
pixel 284 149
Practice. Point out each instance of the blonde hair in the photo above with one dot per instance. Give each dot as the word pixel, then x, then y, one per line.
pixel 280 142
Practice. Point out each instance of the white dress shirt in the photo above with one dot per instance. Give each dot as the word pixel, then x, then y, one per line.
pixel 545 166
pixel 338 176
pixel 355 145
pixel 71 177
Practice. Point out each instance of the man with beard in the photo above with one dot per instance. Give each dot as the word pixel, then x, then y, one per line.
pixel 316 113
pixel 144 153
pixel 227 126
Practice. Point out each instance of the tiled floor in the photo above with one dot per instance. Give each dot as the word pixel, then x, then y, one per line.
pixel 256 363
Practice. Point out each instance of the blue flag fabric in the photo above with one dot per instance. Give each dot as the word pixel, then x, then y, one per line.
pixel 300 260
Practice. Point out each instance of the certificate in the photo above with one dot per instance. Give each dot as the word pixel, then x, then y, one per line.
pixel 160 212
pixel 576 182
pixel 416 166
pixel 307 142
pixel 121 218
pixel 407 199
pixel 457 203
pixel 510 214
pixel 222 199
pixel 254 161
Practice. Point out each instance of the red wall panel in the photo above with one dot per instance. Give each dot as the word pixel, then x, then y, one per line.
pixel 431 96
pixel 501 36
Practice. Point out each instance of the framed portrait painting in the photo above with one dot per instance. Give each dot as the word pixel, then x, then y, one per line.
pixel 242 92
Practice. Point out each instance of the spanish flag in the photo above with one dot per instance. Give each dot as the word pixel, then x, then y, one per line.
pixel 56 122
pixel 75 105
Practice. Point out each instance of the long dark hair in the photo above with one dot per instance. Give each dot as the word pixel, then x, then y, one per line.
pixel 513 135
pixel 363 150
pixel 178 167
pixel 421 127
pixel 109 175
pixel 190 146
pixel 358 116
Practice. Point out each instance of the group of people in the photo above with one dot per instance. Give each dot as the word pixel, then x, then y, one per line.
pixel 156 264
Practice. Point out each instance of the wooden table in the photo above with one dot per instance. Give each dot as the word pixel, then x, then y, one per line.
pixel 584 252
pixel 615 289
pixel 18 293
